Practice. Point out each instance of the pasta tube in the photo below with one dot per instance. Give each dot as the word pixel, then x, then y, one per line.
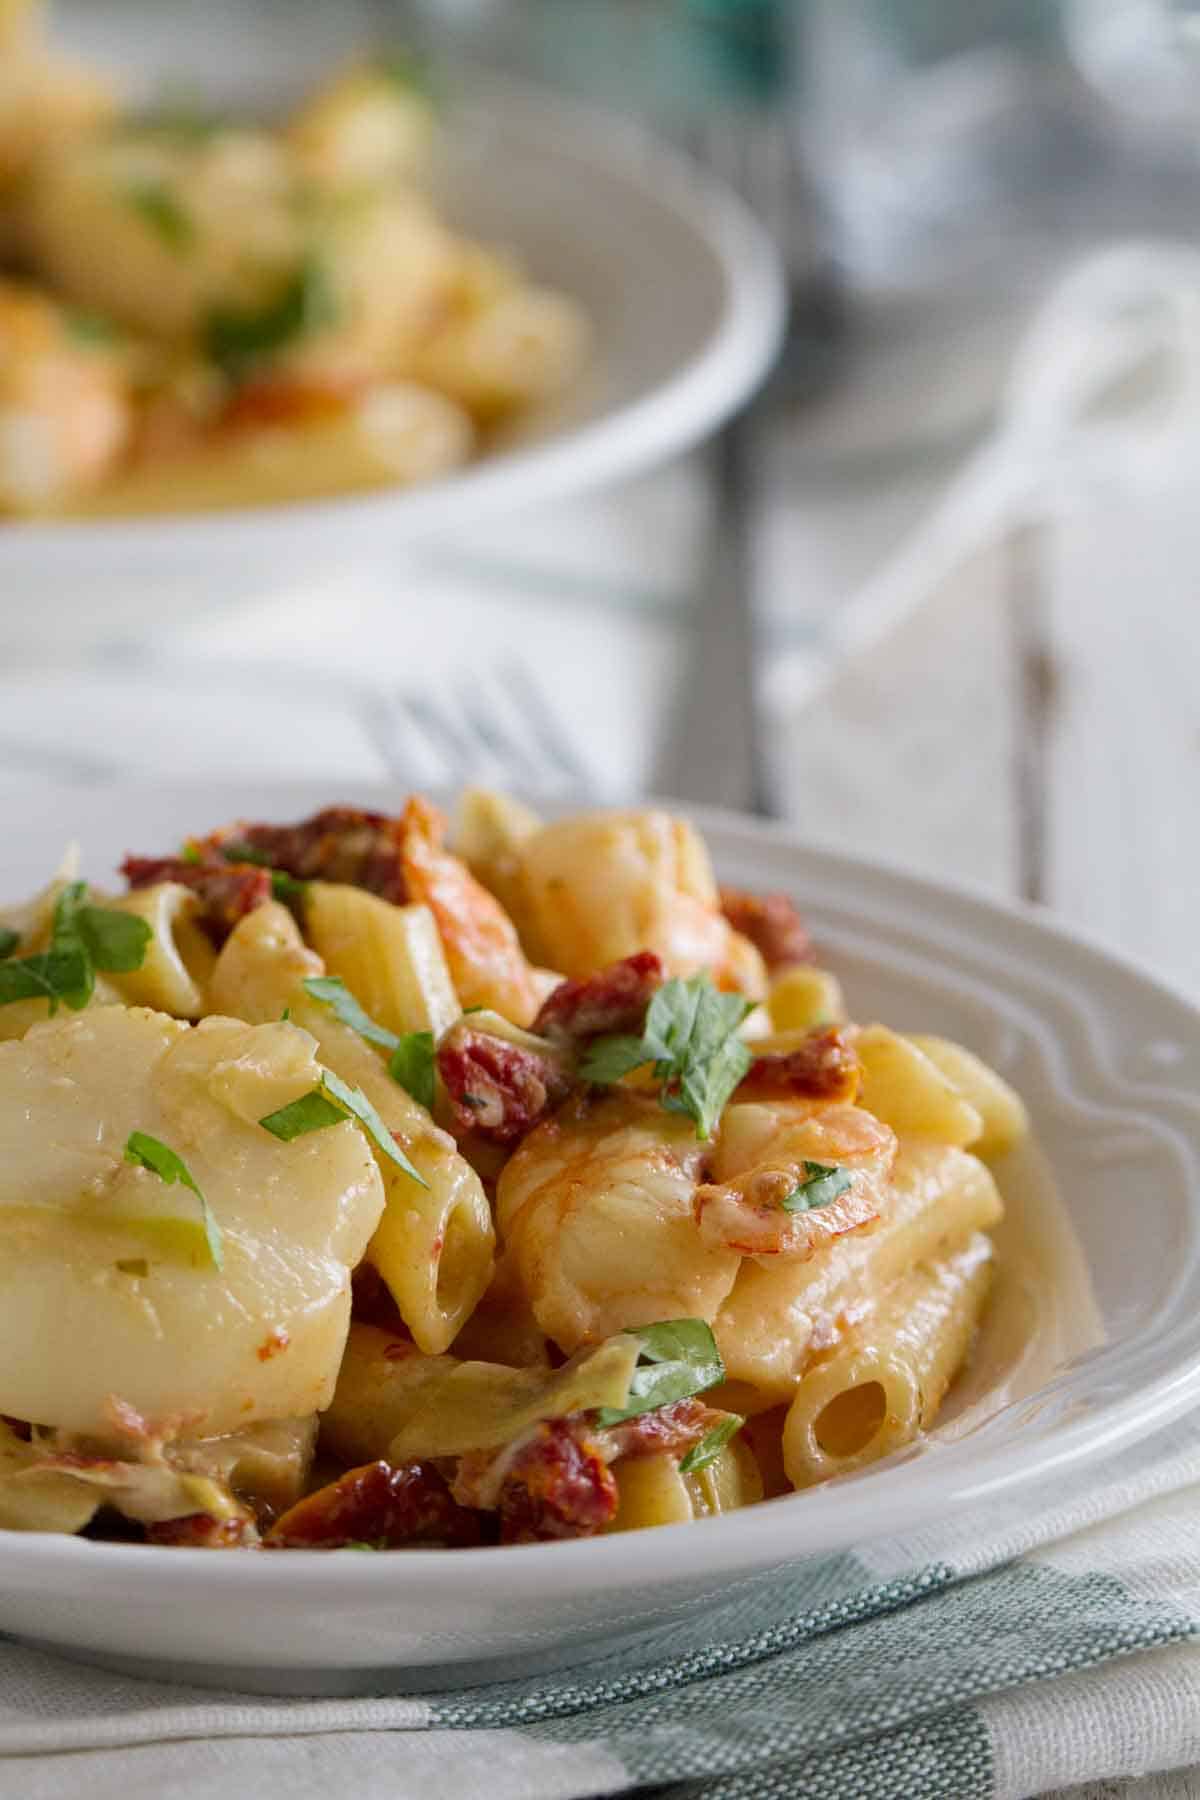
pixel 1005 1120
pixel 434 1245
pixel 390 957
pixel 778 1317
pixel 802 998
pixel 179 959
pixel 653 1490
pixel 904 1088
pixel 885 1382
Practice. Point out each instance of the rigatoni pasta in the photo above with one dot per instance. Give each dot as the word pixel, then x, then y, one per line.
pixel 379 1234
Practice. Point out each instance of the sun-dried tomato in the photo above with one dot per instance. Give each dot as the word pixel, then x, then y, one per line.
pixel 559 1485
pixel 227 891
pixel 773 924
pixel 497 1089
pixel 613 999
pixel 200 1531
pixel 340 843
pixel 386 1506
pixel 824 1067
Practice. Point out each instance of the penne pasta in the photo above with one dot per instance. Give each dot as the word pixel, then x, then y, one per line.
pixel 1005 1120
pixel 884 1383
pixel 653 1490
pixel 179 960
pixel 778 1317
pixel 906 1089
pixel 803 997
pixel 390 957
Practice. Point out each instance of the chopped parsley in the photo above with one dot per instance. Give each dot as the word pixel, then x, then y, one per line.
pixel 329 1104
pixel 407 71
pixel 678 1358
pixel 413 1066
pixel 822 1183
pixel 690 1038
pixel 83 939
pixel 332 991
pixel 150 1153
pixel 163 213
pixel 91 329
pixel 711 1445
pixel 237 339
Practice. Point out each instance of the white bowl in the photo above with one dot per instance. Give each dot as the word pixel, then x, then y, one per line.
pixel 1110 1064
pixel 682 286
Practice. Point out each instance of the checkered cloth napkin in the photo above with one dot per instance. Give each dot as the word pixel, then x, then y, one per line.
pixel 1051 1640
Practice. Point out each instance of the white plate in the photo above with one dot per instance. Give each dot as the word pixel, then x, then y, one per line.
pixel 683 288
pixel 1110 1064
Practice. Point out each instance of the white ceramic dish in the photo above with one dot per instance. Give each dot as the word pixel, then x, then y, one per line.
pixel 1110 1064
pixel 682 286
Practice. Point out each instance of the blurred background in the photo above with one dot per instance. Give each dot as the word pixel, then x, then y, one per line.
pixel 930 595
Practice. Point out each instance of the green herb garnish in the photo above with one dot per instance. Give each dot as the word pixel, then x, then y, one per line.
pixel 412 1061
pixel 90 328
pixel 285 887
pixel 679 1357
pixel 9 939
pixel 407 71
pixel 822 1183
pixel 690 1038
pixel 83 938
pixel 329 1104
pixel 163 213
pixel 236 339
pixel 711 1445
pixel 413 1065
pixel 332 991
pixel 149 1153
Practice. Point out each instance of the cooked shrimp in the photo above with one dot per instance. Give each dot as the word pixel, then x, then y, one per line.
pixel 65 414
pixel 600 887
pixel 767 1152
pixel 479 938
pixel 597 1210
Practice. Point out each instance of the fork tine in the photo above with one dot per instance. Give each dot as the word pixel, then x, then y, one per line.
pixel 513 759
pixel 450 740
pixel 552 740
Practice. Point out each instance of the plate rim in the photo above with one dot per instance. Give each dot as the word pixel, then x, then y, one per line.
pixel 769 1535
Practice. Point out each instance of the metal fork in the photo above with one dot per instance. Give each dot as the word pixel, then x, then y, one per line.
pixel 497 727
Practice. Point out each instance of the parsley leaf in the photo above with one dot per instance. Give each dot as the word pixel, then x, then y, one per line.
pixel 9 939
pixel 329 1104
pixel 115 941
pixel 163 213
pixel 150 1153
pixel 332 991
pixel 690 1038
pixel 822 1183
pixel 679 1357
pixel 90 329
pixel 236 339
pixel 285 887
pixel 83 938
pixel 52 975
pixel 711 1445
pixel 413 1066
pixel 313 1111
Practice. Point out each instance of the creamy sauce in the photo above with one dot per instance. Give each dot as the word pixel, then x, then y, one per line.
pixel 1042 1311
